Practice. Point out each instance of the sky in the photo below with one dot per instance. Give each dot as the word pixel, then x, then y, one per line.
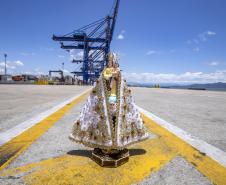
pixel 158 41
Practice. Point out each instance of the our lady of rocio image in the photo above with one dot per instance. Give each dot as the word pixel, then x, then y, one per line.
pixel 109 120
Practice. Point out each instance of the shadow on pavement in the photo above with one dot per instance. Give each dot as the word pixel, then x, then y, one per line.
pixel 84 153
pixel 138 151
pixel 88 153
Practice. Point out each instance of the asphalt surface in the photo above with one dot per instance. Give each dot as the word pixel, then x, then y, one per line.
pixel 176 172
pixel 200 113
pixel 18 103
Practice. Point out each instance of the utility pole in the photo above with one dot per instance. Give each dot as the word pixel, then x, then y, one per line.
pixel 5 55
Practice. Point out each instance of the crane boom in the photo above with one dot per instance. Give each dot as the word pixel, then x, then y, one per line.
pixel 114 17
pixel 94 39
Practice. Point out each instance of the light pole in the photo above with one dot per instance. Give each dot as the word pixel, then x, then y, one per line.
pixel 5 55
pixel 63 71
pixel 63 66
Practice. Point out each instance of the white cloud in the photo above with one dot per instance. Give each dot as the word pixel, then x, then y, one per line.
pixel 188 77
pixel 2 64
pixel 202 37
pixel 121 35
pixel 152 52
pixel 77 55
pixel 19 63
pixel 214 63
pixel 210 33
pixel 205 35
pixel 12 64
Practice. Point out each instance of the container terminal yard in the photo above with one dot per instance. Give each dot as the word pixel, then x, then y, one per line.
pixel 41 79
pixel 185 120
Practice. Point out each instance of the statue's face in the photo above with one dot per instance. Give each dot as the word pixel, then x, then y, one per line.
pixel 116 65
pixel 110 61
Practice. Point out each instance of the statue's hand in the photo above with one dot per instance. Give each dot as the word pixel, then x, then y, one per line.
pixel 115 74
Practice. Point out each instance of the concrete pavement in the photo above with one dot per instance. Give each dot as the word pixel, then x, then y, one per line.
pixel 20 102
pixel 200 113
pixel 163 159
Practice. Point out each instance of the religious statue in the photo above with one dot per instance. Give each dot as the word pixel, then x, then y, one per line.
pixel 109 120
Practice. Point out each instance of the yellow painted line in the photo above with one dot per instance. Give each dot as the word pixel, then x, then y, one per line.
pixel 12 149
pixel 214 171
pixel 146 158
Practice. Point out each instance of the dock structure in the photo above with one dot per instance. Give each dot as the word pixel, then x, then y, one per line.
pixel 94 41
pixel 187 142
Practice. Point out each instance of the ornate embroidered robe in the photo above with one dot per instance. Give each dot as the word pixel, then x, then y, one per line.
pixel 98 127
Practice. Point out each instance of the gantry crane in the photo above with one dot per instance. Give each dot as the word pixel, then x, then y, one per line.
pixel 59 72
pixel 94 39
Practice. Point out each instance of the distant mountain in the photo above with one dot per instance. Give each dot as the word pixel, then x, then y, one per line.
pixel 219 85
pixel 207 86
pixel 136 84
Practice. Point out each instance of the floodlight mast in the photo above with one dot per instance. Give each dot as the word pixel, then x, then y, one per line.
pixel 5 55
